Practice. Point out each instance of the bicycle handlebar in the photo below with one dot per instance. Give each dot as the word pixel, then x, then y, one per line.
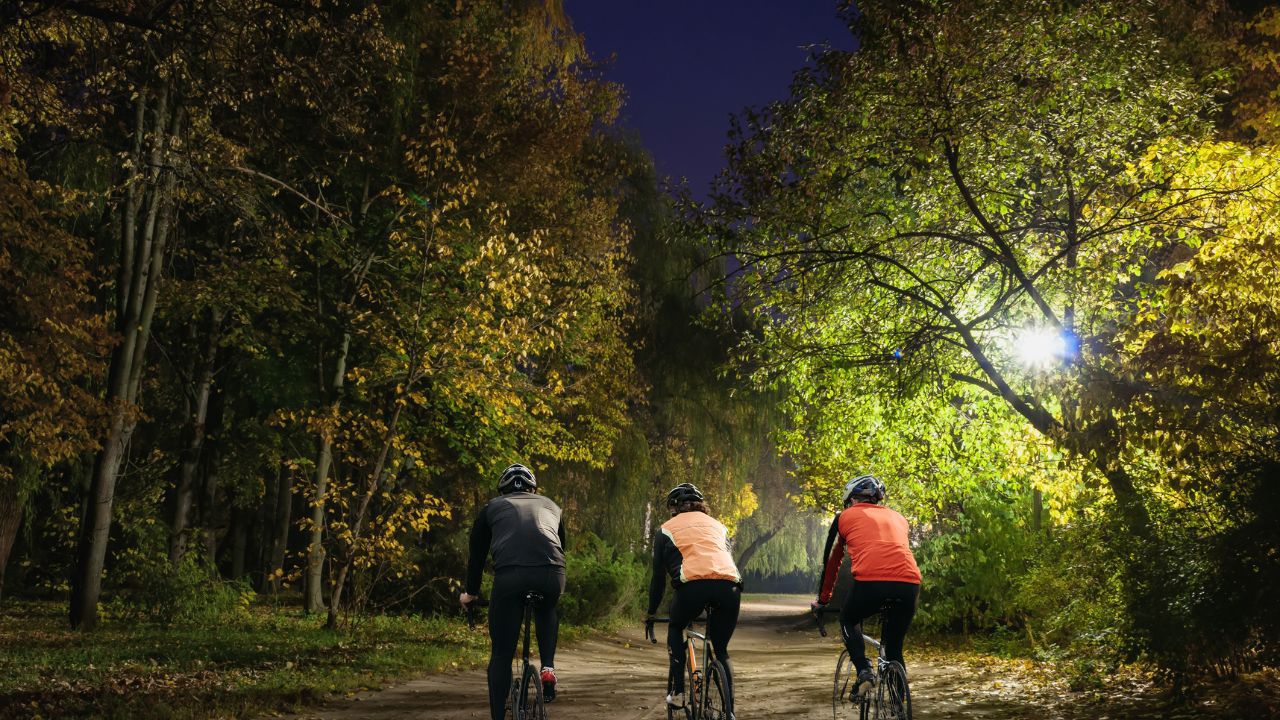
pixel 817 614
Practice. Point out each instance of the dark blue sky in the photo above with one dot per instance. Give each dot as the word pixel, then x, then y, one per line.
pixel 687 66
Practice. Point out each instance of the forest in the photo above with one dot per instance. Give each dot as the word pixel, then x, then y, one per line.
pixel 285 285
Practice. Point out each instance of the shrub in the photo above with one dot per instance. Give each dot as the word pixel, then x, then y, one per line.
pixel 603 582
pixel 149 589
pixel 971 563
pixel 1072 593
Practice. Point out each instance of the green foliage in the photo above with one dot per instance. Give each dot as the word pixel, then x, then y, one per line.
pixel 974 562
pixel 796 547
pixel 1072 592
pixel 603 583
pixel 977 173
pixel 150 589
pixel 1224 571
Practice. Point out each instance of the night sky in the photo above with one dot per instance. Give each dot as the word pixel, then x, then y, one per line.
pixel 688 65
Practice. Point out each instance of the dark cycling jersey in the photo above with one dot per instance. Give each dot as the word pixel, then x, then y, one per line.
pixel 522 529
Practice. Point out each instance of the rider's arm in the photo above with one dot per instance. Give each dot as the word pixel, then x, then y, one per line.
pixel 481 536
pixel 657 584
pixel 833 553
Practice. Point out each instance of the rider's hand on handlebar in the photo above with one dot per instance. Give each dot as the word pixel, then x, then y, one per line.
pixel 648 630
pixel 466 599
pixel 817 606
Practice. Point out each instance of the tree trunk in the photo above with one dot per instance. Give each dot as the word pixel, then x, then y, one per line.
pixel 142 253
pixel 215 523
pixel 283 518
pixel 195 434
pixel 754 546
pixel 241 522
pixel 263 527
pixel 12 500
pixel 313 592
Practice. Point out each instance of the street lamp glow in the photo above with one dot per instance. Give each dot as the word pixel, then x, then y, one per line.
pixel 1039 347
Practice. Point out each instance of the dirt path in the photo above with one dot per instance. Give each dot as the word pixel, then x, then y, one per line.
pixel 781 672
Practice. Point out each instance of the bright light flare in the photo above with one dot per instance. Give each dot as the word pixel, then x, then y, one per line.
pixel 1040 347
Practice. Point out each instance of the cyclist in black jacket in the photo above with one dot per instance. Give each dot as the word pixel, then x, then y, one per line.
pixel 526 534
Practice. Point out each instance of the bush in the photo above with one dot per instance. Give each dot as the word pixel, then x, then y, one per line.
pixel 603 582
pixel 149 589
pixel 1218 574
pixel 1072 594
pixel 971 563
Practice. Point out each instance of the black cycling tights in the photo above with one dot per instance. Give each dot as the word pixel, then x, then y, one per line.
pixel 723 597
pixel 506 614
pixel 865 600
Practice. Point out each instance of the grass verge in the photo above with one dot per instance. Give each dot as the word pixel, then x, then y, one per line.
pixel 263 661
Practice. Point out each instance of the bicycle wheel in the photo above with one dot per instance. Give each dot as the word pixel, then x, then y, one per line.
pixel 531 705
pixel 716 695
pixel 893 697
pixel 844 705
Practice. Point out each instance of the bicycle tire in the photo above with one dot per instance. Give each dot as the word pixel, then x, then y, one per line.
pixel 842 706
pixel 717 698
pixel 893 697
pixel 532 705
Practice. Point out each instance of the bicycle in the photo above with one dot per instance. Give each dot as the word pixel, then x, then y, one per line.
pixel 709 700
pixel 525 701
pixel 893 695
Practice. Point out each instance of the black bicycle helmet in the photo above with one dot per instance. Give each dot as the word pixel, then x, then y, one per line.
pixel 864 488
pixel 517 478
pixel 683 492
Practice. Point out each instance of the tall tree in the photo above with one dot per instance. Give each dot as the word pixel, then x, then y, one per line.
pixel 50 334
pixel 963 184
pixel 974 198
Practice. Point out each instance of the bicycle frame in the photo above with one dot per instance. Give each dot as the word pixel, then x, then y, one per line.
pixel 881 660
pixel 702 673
pixel 518 692
pixel 691 635
pixel 697 695
pixel 530 599
pixel 883 668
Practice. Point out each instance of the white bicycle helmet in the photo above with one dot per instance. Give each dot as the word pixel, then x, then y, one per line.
pixel 864 488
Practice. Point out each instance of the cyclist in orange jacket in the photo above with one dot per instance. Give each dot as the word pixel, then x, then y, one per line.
pixel 884 569
pixel 692 548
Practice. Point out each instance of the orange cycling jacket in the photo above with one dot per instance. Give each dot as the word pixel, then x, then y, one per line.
pixel 876 538
pixel 690 546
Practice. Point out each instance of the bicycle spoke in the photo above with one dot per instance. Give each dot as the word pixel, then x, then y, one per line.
pixel 715 703
pixel 530 702
pixel 895 693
